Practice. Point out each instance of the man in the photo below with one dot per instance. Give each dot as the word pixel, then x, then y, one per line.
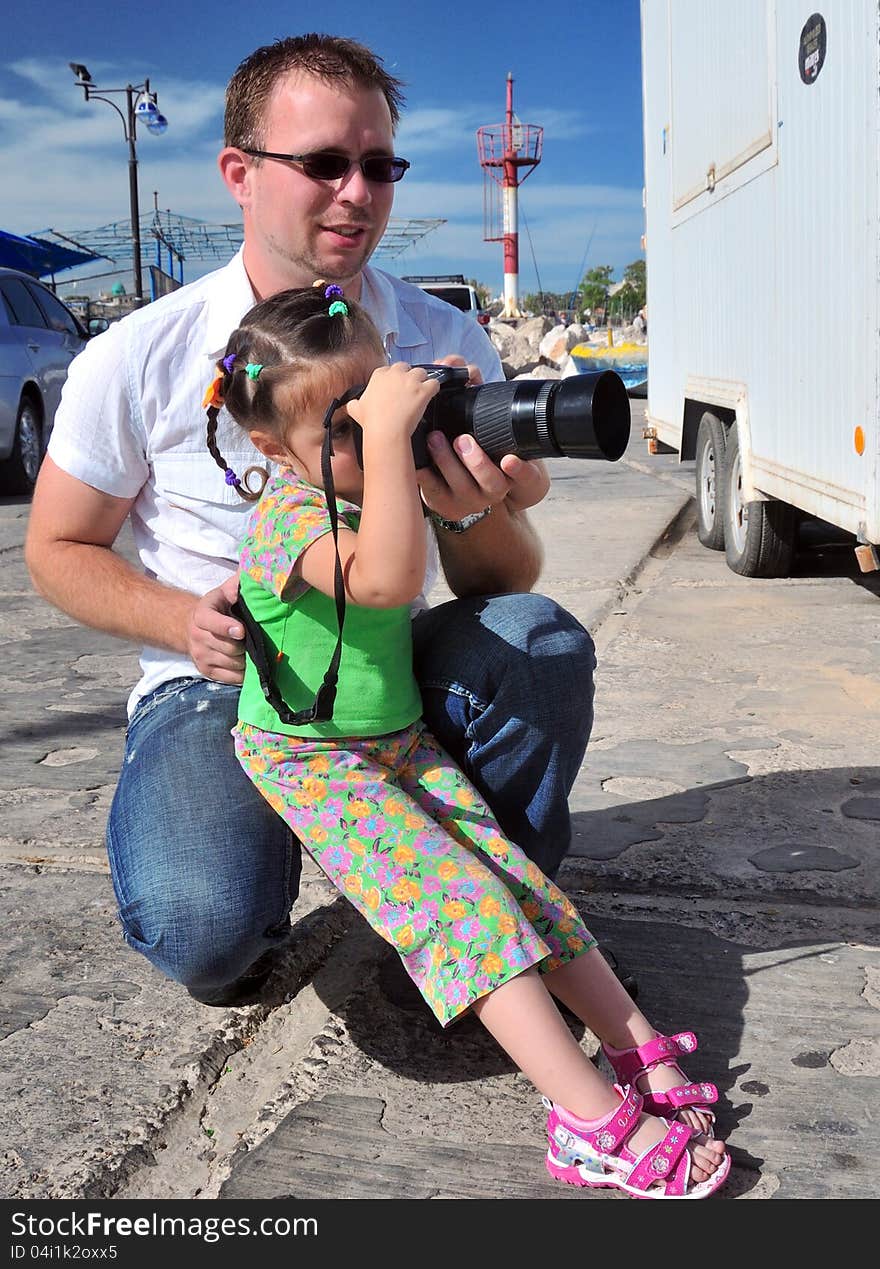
pixel 205 875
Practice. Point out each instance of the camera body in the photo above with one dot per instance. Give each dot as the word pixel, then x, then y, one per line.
pixel 451 379
pixel 585 416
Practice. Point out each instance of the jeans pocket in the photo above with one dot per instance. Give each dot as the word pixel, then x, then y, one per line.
pixel 147 704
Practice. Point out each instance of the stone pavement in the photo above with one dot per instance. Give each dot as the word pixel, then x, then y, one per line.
pixel 725 831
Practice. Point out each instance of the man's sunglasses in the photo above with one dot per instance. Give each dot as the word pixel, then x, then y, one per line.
pixel 324 165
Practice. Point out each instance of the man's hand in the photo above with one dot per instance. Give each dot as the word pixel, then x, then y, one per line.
pixel 467 480
pixel 529 481
pixel 216 642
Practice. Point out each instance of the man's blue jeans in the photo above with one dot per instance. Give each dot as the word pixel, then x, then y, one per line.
pixel 204 871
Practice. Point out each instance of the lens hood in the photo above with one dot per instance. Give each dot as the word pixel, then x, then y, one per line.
pixel 589 416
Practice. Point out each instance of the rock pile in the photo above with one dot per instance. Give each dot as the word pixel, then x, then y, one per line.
pixel 537 348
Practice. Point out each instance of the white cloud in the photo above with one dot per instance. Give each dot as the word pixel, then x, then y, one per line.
pixel 61 118
pixel 432 130
pixel 556 222
pixel 426 198
pixel 68 158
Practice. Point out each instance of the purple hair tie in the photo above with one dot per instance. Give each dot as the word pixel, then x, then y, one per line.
pixel 232 479
pixel 333 290
pixel 228 363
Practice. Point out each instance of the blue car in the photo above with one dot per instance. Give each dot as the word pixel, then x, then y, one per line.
pixel 39 337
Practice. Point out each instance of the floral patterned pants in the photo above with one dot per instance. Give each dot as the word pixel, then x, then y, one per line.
pixel 402 833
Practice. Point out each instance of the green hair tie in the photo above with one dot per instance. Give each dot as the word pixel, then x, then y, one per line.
pixel 252 370
pixel 338 306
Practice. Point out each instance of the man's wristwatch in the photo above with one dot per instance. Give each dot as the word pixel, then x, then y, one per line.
pixel 462 525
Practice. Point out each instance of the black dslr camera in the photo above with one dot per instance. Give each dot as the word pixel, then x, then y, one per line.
pixel 585 416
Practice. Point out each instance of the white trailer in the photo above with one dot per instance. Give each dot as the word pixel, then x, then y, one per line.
pixel 762 174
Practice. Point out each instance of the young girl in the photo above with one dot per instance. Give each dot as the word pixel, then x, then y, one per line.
pixel 352 770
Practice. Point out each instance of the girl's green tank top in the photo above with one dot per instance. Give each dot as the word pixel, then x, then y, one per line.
pixel 377 691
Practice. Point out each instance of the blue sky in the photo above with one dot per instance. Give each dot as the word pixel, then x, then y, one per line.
pixel 576 71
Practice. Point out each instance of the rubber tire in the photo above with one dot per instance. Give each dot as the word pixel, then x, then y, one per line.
pixel 709 473
pixel 759 537
pixel 18 473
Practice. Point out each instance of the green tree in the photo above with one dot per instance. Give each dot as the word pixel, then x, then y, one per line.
pixel 631 296
pixel 594 284
pixel 634 274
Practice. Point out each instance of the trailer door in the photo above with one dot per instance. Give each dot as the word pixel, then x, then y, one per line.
pixel 722 93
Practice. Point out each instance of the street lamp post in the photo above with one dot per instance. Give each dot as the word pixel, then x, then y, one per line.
pixel 140 103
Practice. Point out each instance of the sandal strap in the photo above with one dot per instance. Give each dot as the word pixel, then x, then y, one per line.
pixel 631 1063
pixel 667 1161
pixel 683 1095
pixel 621 1124
pixel 609 1136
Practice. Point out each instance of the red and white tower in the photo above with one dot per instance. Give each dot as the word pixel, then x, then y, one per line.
pixel 508 152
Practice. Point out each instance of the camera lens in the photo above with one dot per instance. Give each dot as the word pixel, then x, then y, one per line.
pixel 585 416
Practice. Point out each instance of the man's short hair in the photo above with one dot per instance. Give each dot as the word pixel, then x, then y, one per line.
pixel 330 58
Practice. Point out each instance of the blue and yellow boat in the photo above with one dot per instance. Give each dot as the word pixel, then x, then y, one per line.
pixel 630 361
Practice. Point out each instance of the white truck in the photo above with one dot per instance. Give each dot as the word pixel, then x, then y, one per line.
pixel 454 289
pixel 762 176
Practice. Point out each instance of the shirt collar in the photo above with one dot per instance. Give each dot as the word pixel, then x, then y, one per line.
pixel 230 298
pixel 379 297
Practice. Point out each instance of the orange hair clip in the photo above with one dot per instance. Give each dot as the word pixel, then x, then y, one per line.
pixel 214 394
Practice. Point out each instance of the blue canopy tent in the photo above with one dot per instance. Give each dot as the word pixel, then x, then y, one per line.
pixel 39 257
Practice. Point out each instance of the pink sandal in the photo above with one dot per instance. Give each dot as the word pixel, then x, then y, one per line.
pixel 630 1064
pixel 599 1157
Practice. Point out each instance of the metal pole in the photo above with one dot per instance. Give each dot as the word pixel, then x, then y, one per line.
pixel 133 196
pixel 509 213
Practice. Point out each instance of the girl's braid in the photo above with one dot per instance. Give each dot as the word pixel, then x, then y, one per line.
pixel 214 400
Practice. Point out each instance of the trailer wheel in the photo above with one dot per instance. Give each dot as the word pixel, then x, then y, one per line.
pixel 759 537
pixel 711 464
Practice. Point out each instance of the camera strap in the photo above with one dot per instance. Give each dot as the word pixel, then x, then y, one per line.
pixel 259 647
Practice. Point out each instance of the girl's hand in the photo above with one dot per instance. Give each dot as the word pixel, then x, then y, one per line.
pixel 394 401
